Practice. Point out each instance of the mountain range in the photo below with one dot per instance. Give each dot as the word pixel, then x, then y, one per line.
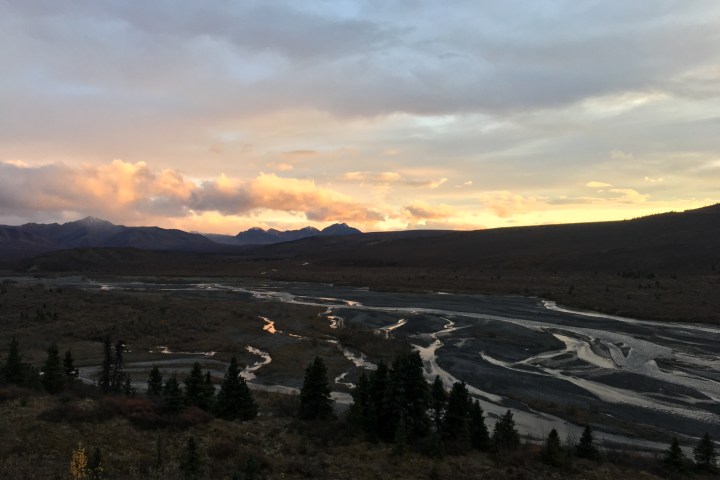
pixel 683 242
pixel 31 239
pixel 258 236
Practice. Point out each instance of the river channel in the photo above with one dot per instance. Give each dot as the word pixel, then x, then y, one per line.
pixel 519 353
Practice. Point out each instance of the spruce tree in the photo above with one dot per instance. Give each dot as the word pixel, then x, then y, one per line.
pixel 234 400
pixel 191 464
pixel 53 378
pixel 479 435
pixel 552 452
pixel 71 373
pixel 456 422
pixel 17 372
pixel 315 401
pixel 117 376
pixel 401 437
pixel 155 383
pixel 704 453
pixel 439 400
pixel 14 368
pixel 417 392
pixel 378 385
pixel 357 414
pixel 172 399
pixel 128 388
pixel 407 395
pixel 505 436
pixel 194 387
pixel 674 458
pixel 586 447
pixel 208 391
pixel 105 373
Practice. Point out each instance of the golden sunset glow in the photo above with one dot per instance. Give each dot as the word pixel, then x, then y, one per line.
pixel 478 115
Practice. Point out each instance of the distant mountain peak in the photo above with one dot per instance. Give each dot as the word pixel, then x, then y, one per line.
pixel 259 236
pixel 339 229
pixel 90 220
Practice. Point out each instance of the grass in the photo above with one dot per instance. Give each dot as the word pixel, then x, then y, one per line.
pixel 281 445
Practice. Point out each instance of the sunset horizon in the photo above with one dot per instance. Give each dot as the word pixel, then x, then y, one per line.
pixel 473 116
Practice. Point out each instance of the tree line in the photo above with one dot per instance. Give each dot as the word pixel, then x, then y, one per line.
pixel 393 405
pixel 397 405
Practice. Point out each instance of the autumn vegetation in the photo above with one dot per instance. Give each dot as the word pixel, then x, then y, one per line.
pixel 417 428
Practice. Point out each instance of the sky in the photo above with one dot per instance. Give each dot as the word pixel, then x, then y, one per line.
pixel 386 115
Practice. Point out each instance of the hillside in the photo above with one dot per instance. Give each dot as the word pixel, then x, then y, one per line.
pixel 678 242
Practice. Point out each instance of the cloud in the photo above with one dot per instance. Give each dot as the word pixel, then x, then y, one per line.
pixel 123 191
pixel 424 211
pixel 597 185
pixel 295 154
pixel 506 204
pixel 390 178
pixel 281 167
pixel 628 195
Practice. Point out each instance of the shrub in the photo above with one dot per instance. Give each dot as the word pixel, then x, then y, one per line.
pixel 77 412
pixel 191 417
pixel 127 406
pixel 147 420
pixel 222 449
pixel 13 392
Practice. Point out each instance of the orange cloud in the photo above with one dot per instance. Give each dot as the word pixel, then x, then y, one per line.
pixel 124 191
pixel 425 211
pixel 597 185
pixel 301 153
pixel 506 204
pixel 389 178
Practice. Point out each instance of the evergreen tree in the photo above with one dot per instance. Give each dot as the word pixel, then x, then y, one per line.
pixel 235 401
pixel 196 389
pixel 53 378
pixel 17 372
pixel 406 395
pixel 191 464
pixel 704 453
pixel 172 399
pixel 505 436
pixel 14 368
pixel 127 388
pixel 315 401
pixel 417 393
pixel 401 437
pixel 378 385
pixel 155 383
pixel 208 391
pixel 357 415
pixel 552 452
pixel 479 435
pixel 117 376
pixel 674 458
pixel 439 400
pixel 71 373
pixel 105 373
pixel 586 448
pixel 456 422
